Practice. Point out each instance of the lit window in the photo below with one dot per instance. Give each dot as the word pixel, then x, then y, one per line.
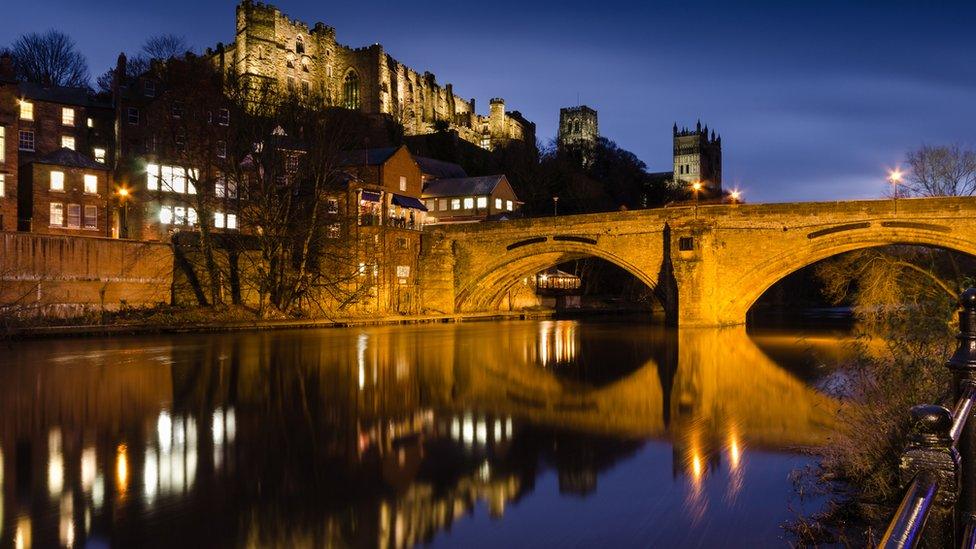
pixel 223 117
pixel 468 203
pixel 191 176
pixel 68 142
pixel 3 144
pixel 91 217
pixel 91 184
pixel 455 203
pixel 26 110
pixel 482 201
pixel 191 216
pixel 403 183
pixel 220 188
pixel 3 190
pixel 179 215
pixel 334 230
pixel 91 123
pixel 442 204
pixel 132 114
pixel 219 220
pixel 152 177
pixel 508 205
pixel 498 203
pixel 74 216
pixel 57 181
pixel 231 221
pixel 165 215
pixel 57 214
pixel 431 204
pixel 99 155
pixel 350 91
pixel 231 189
pixel 26 141
pixel 67 116
pixel 333 206
pixel 178 183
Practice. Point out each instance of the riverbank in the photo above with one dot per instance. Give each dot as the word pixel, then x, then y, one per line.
pixel 226 325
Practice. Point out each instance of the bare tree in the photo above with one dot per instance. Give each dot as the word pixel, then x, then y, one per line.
pixel 51 59
pixel 941 171
pixel 165 46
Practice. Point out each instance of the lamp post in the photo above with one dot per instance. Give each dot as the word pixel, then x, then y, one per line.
pixel 735 196
pixel 895 177
pixel 555 206
pixel 124 222
pixel 695 189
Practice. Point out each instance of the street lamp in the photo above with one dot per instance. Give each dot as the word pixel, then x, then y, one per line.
pixel 123 199
pixel 555 206
pixel 696 187
pixel 735 196
pixel 895 177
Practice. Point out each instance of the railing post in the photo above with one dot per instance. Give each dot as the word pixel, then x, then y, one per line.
pixel 930 456
pixel 962 364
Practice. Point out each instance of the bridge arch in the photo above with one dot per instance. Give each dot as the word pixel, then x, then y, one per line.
pixel 758 280
pixel 486 290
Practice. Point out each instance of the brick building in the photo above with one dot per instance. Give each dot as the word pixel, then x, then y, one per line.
pixel 381 216
pixel 270 47
pixel 8 146
pixel 470 199
pixel 65 192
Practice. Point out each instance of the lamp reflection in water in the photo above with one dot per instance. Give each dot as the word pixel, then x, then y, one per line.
pixel 122 469
pixel 55 463
pixel 66 523
pixel 22 532
pixel 557 343
pixel 735 450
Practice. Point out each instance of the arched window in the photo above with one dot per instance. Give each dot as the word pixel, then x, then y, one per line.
pixel 299 46
pixel 350 91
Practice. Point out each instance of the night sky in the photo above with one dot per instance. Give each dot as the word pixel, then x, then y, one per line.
pixel 814 100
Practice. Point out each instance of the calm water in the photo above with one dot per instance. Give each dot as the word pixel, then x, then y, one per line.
pixel 535 433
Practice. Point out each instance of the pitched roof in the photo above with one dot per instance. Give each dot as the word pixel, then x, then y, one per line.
pixel 462 186
pixel 55 94
pixel 439 168
pixel 368 157
pixel 69 158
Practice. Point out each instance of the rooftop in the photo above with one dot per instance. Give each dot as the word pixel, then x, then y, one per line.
pixel 462 186
pixel 439 168
pixel 69 158
pixel 81 97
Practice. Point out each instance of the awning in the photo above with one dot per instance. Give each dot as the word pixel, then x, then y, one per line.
pixel 370 196
pixel 409 202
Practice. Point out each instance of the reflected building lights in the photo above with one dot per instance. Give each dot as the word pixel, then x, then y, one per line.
pixel 557 342
pixel 150 476
pixel 66 522
pixel 121 469
pixel 55 463
pixel 22 533
pixel 89 468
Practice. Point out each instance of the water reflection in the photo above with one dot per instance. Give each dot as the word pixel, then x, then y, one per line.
pixel 383 437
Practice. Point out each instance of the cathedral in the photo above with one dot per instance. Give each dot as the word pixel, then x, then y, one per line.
pixel 269 46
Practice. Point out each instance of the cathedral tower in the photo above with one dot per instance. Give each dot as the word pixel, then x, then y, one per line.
pixel 578 126
pixel 698 157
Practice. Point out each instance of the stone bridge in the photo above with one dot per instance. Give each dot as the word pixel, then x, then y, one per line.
pixel 706 265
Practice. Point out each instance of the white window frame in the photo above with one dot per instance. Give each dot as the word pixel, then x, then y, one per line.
pixel 403 183
pixel 68 142
pixel 57 181
pixel 68 218
pixel 3 185
pixel 219 220
pixel 498 203
pixel 91 183
pixel 509 206
pixel 99 155
pixel 67 116
pixel 165 215
pixel 90 213
pixel 132 116
pixel 223 117
pixel 20 140
pixel 56 211
pixel 455 203
pixel 482 202
pixel 232 221
pixel 469 203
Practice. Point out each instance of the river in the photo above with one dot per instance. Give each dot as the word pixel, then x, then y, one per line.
pixel 522 433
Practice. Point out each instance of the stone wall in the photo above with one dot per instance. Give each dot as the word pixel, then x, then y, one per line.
pixel 66 276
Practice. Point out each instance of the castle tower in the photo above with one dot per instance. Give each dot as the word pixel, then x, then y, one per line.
pixel 698 157
pixel 497 125
pixel 578 126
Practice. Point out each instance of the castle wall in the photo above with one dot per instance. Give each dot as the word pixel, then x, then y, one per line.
pixel 271 46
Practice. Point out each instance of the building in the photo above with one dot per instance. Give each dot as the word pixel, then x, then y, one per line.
pixel 578 127
pixel 53 140
pixel 380 216
pixel 172 149
pixel 270 47
pixel 470 199
pixel 698 158
pixel 8 145
pixel 65 192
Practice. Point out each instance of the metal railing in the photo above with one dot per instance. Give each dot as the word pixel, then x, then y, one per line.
pixel 938 465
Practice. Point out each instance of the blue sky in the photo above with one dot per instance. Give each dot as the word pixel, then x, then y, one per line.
pixel 814 100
